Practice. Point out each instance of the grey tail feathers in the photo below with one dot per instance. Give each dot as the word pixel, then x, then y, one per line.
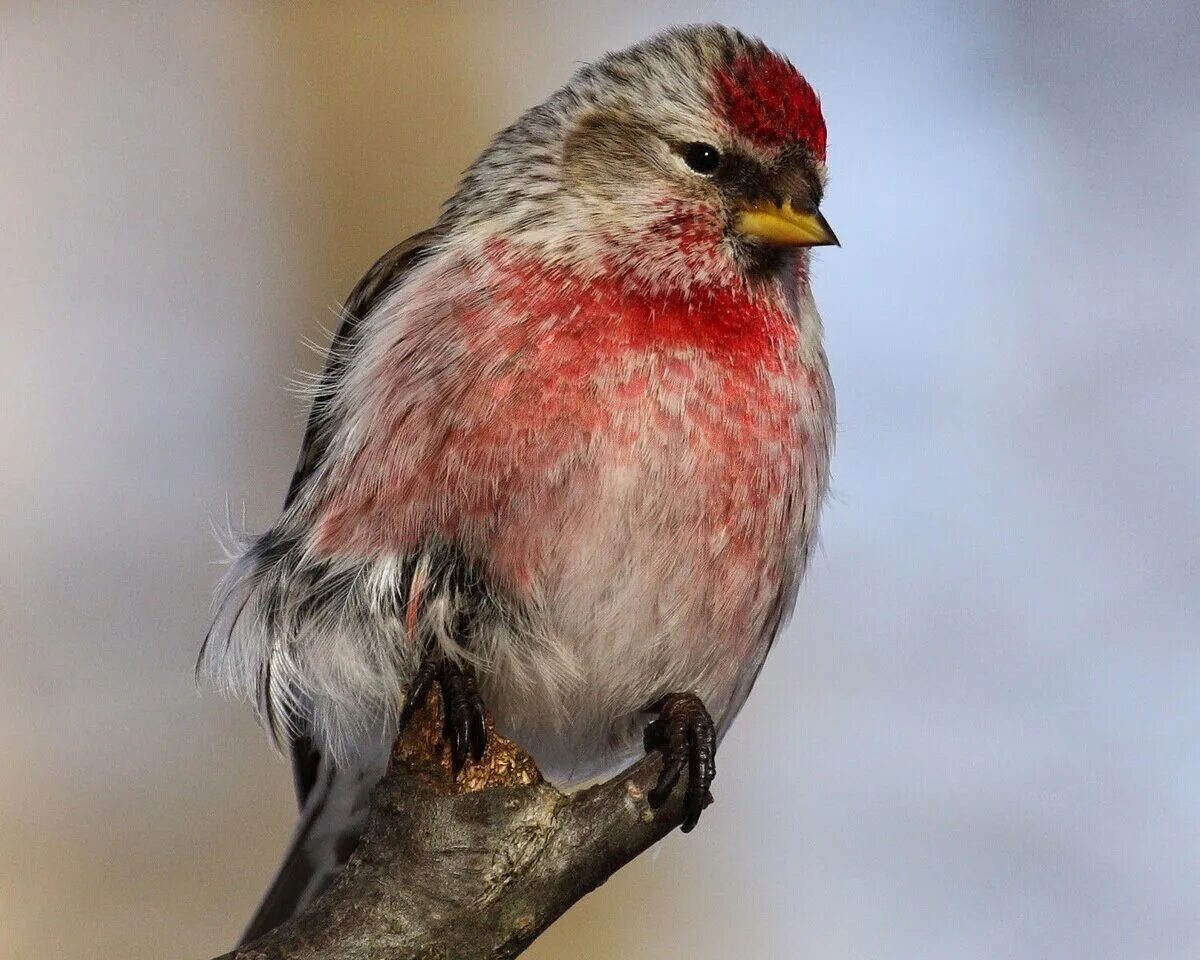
pixel 331 823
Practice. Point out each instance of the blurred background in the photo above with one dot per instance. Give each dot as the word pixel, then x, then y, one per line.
pixel 979 736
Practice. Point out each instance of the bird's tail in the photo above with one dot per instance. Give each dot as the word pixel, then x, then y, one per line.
pixel 331 822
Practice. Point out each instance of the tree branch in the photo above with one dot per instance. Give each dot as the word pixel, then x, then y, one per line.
pixel 473 867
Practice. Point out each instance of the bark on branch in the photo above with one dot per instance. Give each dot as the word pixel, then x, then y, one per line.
pixel 473 867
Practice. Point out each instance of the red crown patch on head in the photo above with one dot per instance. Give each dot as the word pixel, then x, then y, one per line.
pixel 766 100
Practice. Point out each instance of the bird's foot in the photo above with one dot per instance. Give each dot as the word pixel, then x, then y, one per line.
pixel 685 735
pixel 464 725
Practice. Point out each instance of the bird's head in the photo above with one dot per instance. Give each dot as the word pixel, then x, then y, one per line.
pixel 697 155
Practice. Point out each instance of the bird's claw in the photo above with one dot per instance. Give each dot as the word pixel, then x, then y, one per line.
pixel 685 735
pixel 463 714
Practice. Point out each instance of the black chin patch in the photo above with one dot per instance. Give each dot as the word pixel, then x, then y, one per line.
pixel 761 261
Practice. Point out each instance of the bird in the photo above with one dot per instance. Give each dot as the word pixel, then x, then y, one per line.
pixel 567 455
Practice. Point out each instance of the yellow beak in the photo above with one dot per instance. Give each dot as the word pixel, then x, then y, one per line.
pixel 782 226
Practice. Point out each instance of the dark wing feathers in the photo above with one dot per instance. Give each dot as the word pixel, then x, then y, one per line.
pixel 383 277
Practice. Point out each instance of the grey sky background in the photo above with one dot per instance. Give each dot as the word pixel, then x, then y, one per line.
pixel 978 738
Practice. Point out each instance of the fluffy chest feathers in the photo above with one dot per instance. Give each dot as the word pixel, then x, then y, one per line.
pixel 555 421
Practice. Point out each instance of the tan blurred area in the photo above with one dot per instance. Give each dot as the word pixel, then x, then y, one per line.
pixel 977 738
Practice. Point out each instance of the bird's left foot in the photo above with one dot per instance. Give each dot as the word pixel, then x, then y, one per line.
pixel 463 714
pixel 685 735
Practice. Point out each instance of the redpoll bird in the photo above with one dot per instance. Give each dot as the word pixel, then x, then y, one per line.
pixel 568 452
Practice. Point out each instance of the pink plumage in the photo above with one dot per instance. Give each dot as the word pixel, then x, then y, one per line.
pixel 582 368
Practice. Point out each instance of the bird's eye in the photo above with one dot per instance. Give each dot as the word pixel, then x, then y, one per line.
pixel 704 158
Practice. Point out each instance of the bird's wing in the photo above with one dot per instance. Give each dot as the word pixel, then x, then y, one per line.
pixel 386 274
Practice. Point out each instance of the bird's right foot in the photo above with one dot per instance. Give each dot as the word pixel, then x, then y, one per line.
pixel 685 735
pixel 463 713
